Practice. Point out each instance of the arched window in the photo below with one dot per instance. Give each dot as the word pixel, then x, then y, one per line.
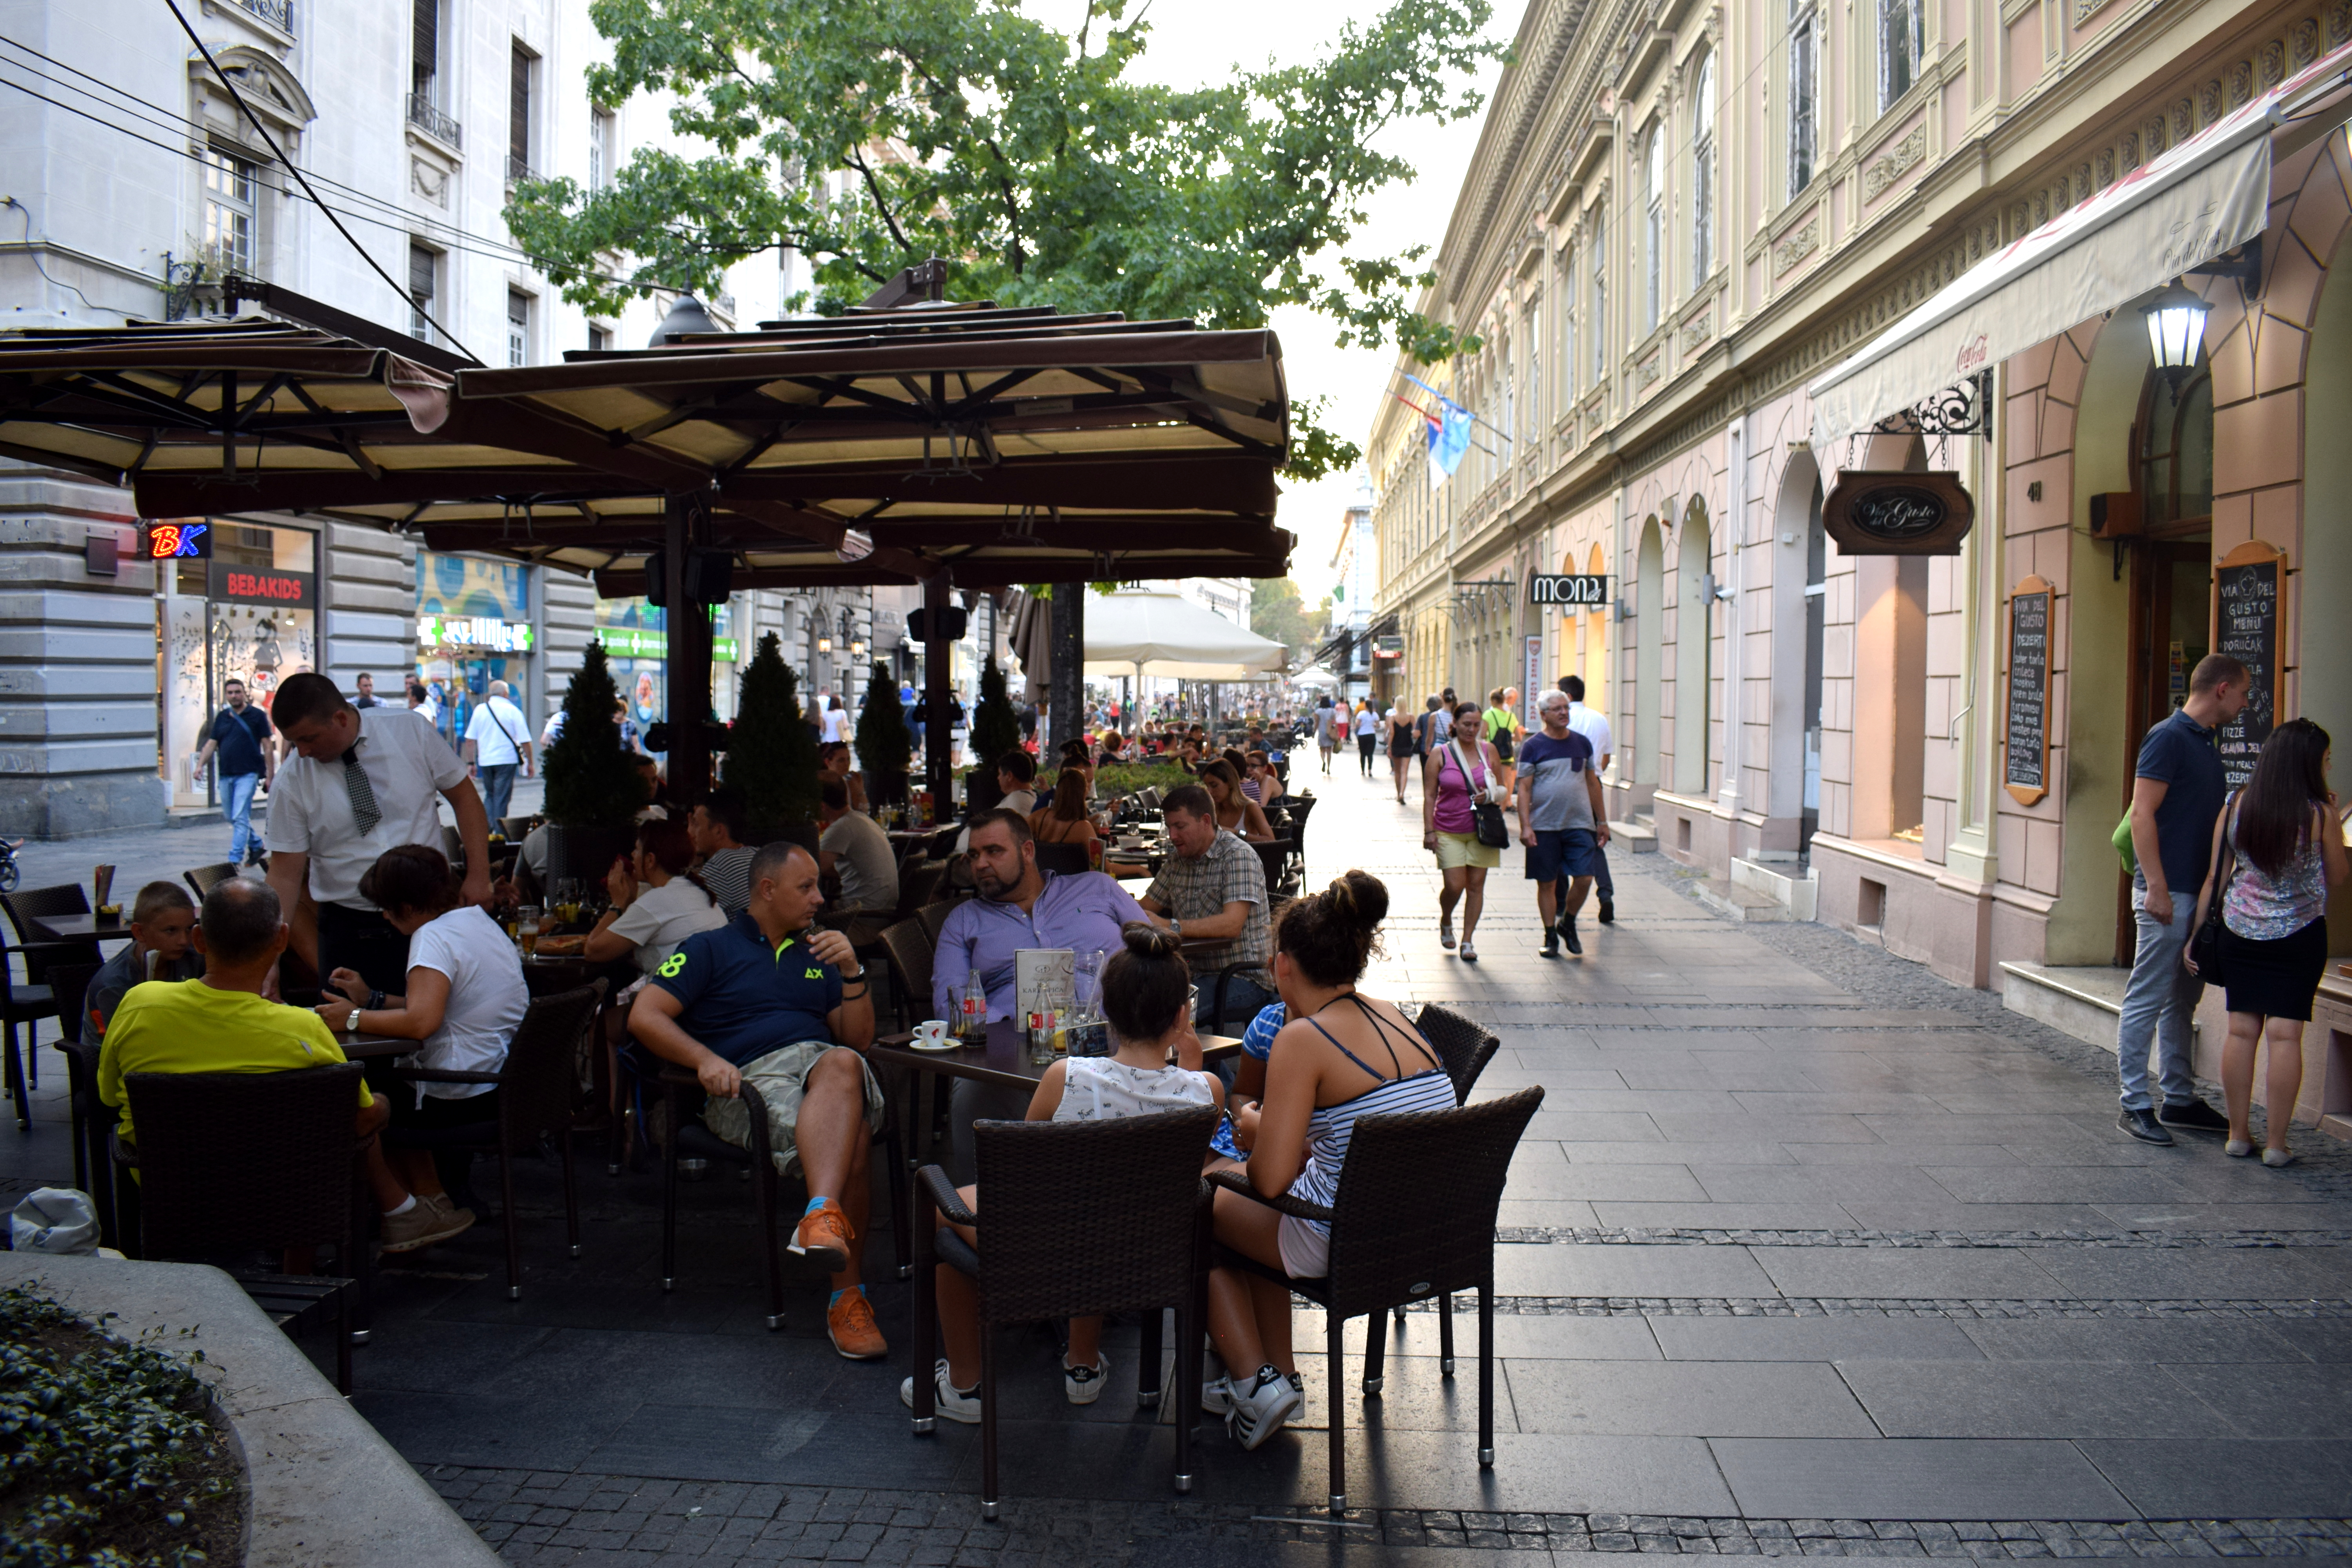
pixel 1703 165
pixel 1653 230
pixel 2174 472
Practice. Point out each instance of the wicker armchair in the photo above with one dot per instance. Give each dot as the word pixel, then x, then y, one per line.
pixel 910 950
pixel 933 917
pixel 230 1162
pixel 205 879
pixel 71 981
pixel 31 1002
pixel 1463 1048
pixel 1080 1218
pixel 1064 859
pixel 1415 1218
pixel 536 1089
pixel 689 1139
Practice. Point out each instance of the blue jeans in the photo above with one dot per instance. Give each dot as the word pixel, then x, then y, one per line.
pixel 1244 995
pixel 237 805
pixel 2160 1005
pixel 498 788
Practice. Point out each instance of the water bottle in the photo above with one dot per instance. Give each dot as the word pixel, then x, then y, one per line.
pixel 972 1023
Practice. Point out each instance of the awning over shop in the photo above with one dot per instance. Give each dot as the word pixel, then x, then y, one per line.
pixel 1167 634
pixel 2207 195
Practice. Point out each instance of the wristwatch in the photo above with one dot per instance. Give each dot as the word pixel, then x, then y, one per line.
pixel 1176 928
pixel 351 1022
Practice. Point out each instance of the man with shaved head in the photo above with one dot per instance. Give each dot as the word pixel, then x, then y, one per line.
pixel 772 1001
pixel 497 739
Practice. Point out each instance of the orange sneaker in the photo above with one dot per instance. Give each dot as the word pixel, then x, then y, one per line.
pixel 850 1323
pixel 823 1238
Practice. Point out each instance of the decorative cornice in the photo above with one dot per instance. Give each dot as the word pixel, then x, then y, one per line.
pixel 1898 160
pixel 1797 246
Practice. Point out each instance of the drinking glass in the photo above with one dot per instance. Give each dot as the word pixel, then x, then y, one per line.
pixel 527 928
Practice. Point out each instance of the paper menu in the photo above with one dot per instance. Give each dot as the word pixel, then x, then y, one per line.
pixel 1041 980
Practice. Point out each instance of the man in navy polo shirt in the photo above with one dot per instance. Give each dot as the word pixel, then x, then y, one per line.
pixel 2177 793
pixel 770 1000
pixel 241 735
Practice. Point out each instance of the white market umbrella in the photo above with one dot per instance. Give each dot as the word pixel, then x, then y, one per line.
pixel 1168 635
pixel 1319 677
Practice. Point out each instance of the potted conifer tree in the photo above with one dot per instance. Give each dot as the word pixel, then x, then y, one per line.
pixel 593 788
pixel 885 750
pixel 995 727
pixel 770 755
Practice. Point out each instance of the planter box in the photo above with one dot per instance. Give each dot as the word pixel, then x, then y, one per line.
pixel 324 1489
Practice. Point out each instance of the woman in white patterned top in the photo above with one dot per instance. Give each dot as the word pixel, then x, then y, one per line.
pixel 1146 1000
pixel 2288 839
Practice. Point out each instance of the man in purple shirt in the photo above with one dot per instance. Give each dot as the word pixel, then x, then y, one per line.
pixel 1019 906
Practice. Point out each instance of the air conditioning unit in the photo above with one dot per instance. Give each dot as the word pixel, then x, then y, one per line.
pixel 2115 514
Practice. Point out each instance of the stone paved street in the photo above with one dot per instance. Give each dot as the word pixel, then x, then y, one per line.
pixel 1806 1252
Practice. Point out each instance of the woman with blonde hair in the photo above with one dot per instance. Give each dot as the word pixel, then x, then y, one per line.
pixel 1236 813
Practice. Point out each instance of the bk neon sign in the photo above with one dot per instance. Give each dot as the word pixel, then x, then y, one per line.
pixel 180 540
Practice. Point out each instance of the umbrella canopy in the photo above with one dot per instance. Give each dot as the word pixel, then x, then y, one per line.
pixel 1167 634
pixel 1320 679
pixel 1032 637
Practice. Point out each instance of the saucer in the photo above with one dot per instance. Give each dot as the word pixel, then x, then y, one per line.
pixel 949 1044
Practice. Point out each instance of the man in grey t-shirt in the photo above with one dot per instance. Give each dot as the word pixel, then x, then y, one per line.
pixel 852 846
pixel 1561 820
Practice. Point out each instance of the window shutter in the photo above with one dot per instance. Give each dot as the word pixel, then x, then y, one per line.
pixel 519 110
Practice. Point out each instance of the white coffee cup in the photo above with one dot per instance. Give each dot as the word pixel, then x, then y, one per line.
pixel 932 1033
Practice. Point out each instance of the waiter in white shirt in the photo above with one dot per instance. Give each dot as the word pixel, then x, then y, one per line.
pixel 1594 728
pixel 496 740
pixel 357 784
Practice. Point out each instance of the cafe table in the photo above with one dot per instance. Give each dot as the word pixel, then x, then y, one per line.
pixel 1003 1060
pixel 81 928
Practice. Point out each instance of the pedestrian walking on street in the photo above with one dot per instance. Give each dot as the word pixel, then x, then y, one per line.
pixel 2286 851
pixel 1561 820
pixel 366 697
pixel 1458 777
pixel 1404 745
pixel 497 742
pixel 2177 793
pixel 1367 726
pixel 360 783
pixel 248 760
pixel 1500 724
pixel 1328 717
pixel 1589 723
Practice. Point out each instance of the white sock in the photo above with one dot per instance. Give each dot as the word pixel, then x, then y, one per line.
pixel 405 1204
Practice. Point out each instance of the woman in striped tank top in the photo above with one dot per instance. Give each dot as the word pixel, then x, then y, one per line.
pixel 1342 1055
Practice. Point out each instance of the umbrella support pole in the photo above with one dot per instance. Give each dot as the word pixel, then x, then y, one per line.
pixel 936 738
pixel 688 670
pixel 1066 684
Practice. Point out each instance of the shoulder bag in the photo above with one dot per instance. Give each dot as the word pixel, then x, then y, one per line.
pixel 1485 815
pixel 2205 941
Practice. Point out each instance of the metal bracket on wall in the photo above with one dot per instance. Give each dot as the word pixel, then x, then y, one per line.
pixel 1964 409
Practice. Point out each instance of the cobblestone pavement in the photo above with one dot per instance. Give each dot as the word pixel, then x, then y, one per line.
pixel 1806 1251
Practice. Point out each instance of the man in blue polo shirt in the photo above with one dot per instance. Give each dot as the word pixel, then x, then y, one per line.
pixel 1561 820
pixel 2177 793
pixel 770 1000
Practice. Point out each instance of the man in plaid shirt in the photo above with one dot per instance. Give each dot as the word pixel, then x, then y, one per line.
pixel 1212 891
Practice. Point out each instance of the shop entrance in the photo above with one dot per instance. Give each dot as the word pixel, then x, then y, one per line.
pixel 2171 576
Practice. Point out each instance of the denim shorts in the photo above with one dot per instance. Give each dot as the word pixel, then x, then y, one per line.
pixel 1563 852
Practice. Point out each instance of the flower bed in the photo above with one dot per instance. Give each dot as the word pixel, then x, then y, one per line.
pixel 113 1454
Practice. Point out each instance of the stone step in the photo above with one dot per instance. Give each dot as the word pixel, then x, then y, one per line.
pixel 2086 1000
pixel 1799 895
pixel 1634 837
pixel 1727 896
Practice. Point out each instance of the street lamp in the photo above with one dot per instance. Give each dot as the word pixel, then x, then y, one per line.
pixel 824 643
pixel 2176 330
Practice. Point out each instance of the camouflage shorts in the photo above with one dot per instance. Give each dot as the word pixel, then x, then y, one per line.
pixel 781 1079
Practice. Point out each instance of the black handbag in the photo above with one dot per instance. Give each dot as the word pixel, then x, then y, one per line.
pixel 1486 816
pixel 2205 941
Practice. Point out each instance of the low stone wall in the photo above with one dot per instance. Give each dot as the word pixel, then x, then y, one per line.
pixel 327 1492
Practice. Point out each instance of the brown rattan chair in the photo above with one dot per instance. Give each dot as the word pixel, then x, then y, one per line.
pixel 537 1089
pixel 910 949
pixel 33 1000
pixel 1079 1218
pixel 1418 1196
pixel 29 1004
pixel 231 1162
pixel 1064 859
pixel 917 878
pixel 934 919
pixel 1463 1047
pixel 205 879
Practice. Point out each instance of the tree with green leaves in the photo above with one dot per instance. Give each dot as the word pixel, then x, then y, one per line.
pixel 1024 155
pixel 591 780
pixel 995 727
pixel 885 748
pixel 770 755
pixel 1277 614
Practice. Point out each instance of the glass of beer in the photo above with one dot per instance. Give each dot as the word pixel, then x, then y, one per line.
pixel 527 928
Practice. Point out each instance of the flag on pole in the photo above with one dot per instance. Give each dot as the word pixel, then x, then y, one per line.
pixel 1449 428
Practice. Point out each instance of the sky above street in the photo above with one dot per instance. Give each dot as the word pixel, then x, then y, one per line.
pixel 1197 41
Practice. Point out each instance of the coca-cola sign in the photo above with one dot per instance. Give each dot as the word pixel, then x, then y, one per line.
pixel 1879 512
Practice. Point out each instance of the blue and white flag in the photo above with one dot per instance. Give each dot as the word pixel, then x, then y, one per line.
pixel 1449 428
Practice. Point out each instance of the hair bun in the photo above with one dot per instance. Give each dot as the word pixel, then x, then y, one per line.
pixel 1358 899
pixel 1147 941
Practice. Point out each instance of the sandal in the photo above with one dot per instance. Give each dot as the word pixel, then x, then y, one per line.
pixel 1469 953
pixel 1446 931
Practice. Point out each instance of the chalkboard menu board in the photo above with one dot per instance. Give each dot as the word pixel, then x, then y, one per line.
pixel 2246 627
pixel 2026 772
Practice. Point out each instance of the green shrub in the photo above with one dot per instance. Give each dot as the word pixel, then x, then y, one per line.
pixel 885 748
pixel 995 727
pixel 1126 778
pixel 770 755
pixel 591 781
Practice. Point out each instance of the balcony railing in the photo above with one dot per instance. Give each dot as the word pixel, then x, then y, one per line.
pixel 278 14
pixel 517 171
pixel 425 117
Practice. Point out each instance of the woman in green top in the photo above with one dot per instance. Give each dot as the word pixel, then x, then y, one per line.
pixel 1503 729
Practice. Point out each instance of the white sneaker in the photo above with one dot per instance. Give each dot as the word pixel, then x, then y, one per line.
pixel 1217 1395
pixel 953 1405
pixel 1299 1385
pixel 1259 1413
pixel 1084 1384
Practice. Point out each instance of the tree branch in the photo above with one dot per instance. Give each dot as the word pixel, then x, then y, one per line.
pixel 874 189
